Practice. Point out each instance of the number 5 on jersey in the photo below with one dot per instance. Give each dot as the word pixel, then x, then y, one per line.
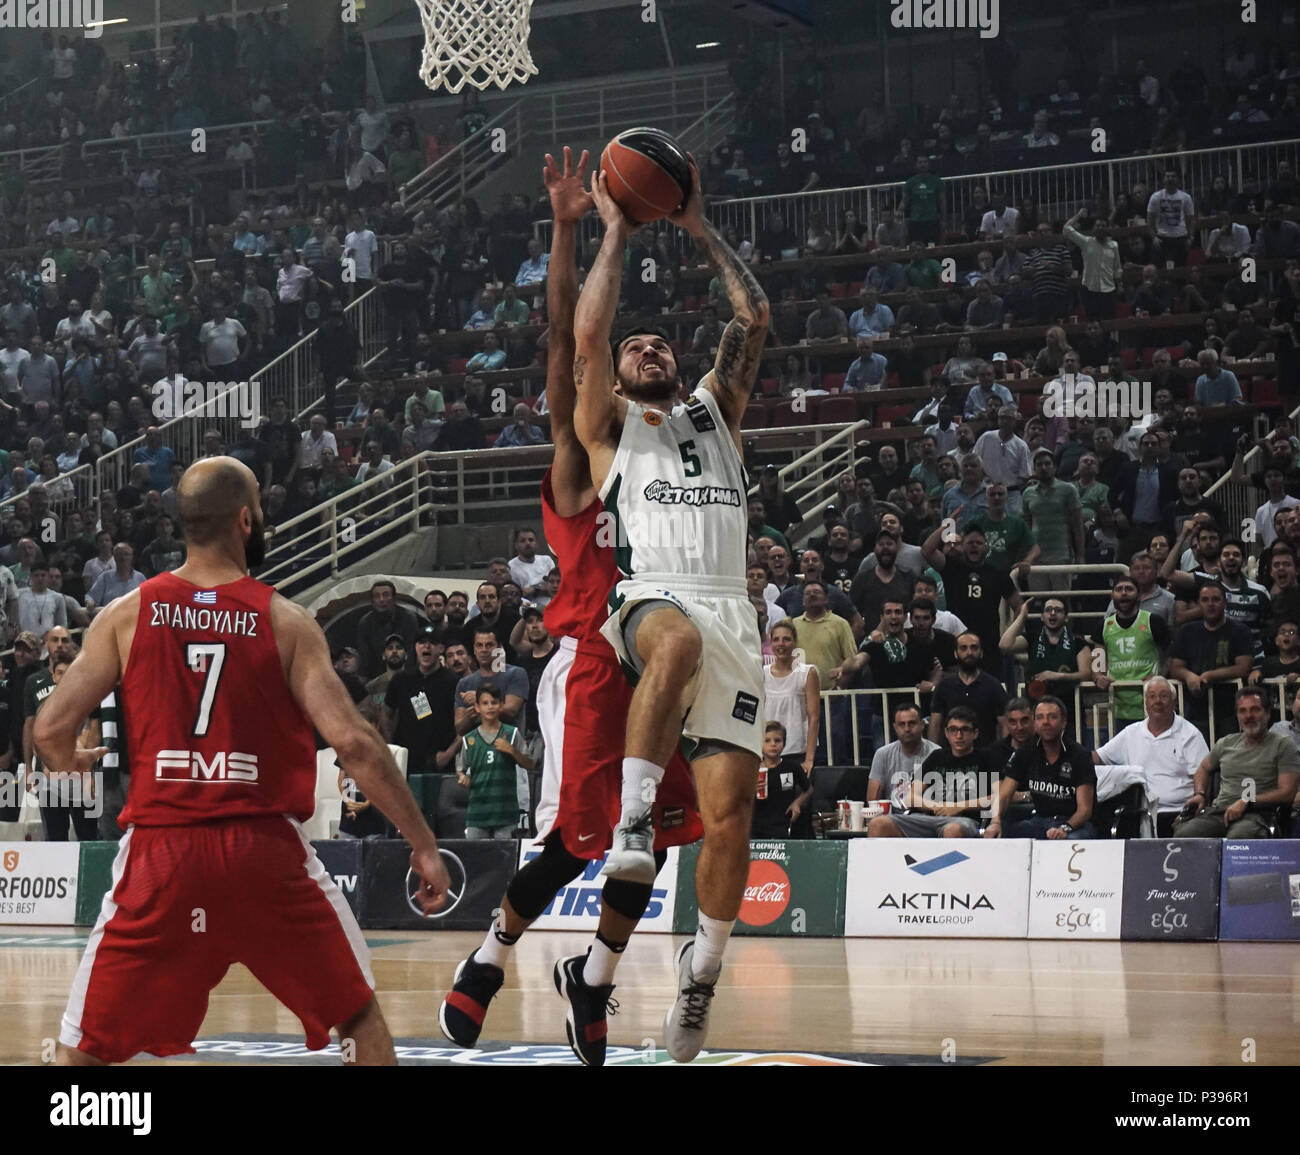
pixel 207 660
pixel 689 459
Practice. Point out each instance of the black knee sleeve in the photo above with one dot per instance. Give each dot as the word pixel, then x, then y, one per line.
pixel 630 899
pixel 538 881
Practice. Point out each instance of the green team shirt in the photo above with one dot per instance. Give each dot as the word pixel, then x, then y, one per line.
pixel 1050 511
pixel 923 197
pixel 1009 539
pixel 1131 653
pixel 1092 498
pixel 493 797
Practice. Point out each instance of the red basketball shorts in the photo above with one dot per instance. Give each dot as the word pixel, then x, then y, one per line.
pixel 188 901
pixel 582 703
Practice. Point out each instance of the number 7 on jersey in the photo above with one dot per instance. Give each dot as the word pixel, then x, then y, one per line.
pixel 208 660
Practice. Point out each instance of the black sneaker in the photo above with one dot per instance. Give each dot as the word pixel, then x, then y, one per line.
pixel 585 1019
pixel 474 985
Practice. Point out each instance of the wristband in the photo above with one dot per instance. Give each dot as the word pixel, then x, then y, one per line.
pixel 1067 828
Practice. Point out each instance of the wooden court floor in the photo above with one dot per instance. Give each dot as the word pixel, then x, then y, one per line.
pixel 875 1000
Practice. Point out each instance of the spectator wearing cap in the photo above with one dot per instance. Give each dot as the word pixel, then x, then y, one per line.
pixel 419 709
pixel 533 648
pixel 384 619
pixel 529 568
pixel 377 687
pixel 347 664
pixel 114 583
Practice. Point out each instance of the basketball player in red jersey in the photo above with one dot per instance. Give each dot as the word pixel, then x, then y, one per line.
pixel 222 680
pixel 582 705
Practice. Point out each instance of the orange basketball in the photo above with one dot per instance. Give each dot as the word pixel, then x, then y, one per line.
pixel 647 173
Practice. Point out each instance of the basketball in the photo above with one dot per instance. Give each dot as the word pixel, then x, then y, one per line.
pixel 647 173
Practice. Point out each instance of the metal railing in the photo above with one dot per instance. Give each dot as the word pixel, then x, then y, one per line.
pixel 1059 190
pixel 584 116
pixel 162 146
pixel 867 711
pixel 1240 500
pixel 461 169
pixel 810 476
pixel 42 163
pixel 295 373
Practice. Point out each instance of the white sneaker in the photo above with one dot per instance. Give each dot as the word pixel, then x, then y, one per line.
pixel 632 856
pixel 688 1018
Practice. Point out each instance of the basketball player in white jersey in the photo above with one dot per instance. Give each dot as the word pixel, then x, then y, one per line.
pixel 672 481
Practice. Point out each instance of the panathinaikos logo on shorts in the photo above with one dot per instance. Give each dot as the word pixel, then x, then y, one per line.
pixel 666 493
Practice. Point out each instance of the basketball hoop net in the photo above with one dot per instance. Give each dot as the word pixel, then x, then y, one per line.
pixel 475 42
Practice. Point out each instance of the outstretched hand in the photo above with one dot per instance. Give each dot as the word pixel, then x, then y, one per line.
pixel 611 212
pixel 570 200
pixel 691 215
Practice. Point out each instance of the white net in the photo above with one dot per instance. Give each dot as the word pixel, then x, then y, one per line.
pixel 475 42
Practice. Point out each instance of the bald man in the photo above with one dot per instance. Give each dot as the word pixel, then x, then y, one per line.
pixel 222 680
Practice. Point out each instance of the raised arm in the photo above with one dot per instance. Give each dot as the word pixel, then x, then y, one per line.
pixel 598 411
pixel 741 350
pixel 570 202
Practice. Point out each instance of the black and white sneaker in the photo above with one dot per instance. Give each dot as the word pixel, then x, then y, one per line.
pixel 474 985
pixel 585 1020
pixel 687 1023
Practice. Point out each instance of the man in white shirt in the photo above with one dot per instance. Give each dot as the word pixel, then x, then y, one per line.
pixel 40 609
pixel 1228 240
pixel 374 127
pixel 362 246
pixel 1171 217
pixel 290 288
pixel 12 359
pixel 316 441
pixel 1001 220
pixel 528 568
pixel 222 339
pixel 1166 745
pixel 1005 456
pixel 1041 136
pixel 374 464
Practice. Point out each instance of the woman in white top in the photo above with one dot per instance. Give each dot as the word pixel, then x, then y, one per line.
pixel 793 692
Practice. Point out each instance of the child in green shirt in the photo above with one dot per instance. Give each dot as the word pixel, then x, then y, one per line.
pixel 486 766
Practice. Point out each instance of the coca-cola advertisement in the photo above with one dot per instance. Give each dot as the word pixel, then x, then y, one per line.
pixel 793 888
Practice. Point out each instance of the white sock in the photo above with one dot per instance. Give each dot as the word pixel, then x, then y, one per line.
pixel 601 961
pixel 496 947
pixel 710 942
pixel 637 795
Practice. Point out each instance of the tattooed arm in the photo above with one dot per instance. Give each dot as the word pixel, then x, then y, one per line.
pixel 598 413
pixel 740 352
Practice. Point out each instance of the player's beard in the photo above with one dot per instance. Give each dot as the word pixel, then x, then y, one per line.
pixel 662 391
pixel 255 546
